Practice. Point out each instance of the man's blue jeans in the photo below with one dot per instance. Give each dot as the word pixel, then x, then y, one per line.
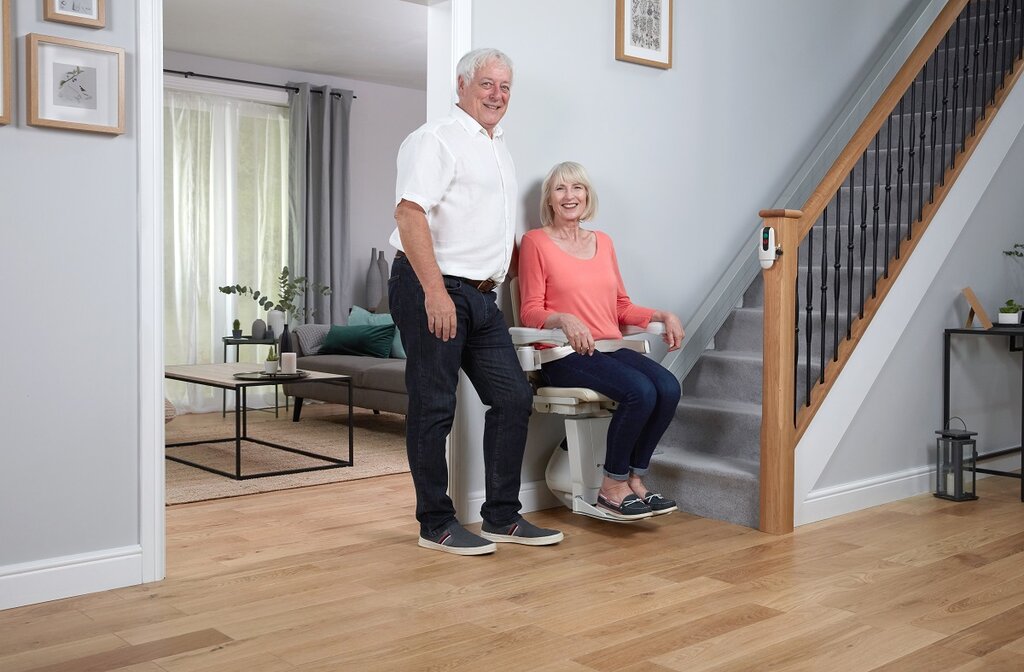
pixel 647 394
pixel 483 349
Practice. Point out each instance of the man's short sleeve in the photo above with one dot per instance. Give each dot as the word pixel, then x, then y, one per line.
pixel 426 168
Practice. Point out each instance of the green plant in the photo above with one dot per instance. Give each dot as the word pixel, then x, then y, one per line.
pixel 1016 251
pixel 236 325
pixel 289 292
pixel 272 355
pixel 1010 306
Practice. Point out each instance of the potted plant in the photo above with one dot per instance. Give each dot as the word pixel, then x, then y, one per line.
pixel 289 291
pixel 1009 312
pixel 270 366
pixel 236 329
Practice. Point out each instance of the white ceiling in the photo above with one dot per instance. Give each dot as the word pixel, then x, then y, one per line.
pixel 383 41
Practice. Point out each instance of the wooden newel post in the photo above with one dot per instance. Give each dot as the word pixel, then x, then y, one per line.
pixel 777 410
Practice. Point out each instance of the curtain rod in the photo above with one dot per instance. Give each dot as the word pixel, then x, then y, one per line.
pixel 294 89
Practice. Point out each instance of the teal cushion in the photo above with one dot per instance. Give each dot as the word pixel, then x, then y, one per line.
pixel 361 316
pixel 367 340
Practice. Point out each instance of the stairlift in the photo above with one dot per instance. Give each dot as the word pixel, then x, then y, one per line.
pixel 575 469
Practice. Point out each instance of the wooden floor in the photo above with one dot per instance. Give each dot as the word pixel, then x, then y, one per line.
pixel 330 578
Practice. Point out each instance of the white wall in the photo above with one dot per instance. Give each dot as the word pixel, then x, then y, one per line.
pixel 382 116
pixel 682 159
pixel 69 457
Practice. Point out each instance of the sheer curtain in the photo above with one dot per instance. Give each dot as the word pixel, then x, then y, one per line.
pixel 225 223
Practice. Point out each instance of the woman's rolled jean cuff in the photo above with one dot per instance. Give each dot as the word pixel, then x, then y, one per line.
pixel 616 477
pixel 639 472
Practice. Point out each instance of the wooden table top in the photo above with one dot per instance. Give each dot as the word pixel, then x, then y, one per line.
pixel 222 375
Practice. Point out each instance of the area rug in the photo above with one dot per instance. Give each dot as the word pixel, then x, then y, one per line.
pixel 378 447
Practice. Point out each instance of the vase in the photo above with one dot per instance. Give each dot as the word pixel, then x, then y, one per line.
pixel 259 329
pixel 382 268
pixel 374 288
pixel 285 344
pixel 275 320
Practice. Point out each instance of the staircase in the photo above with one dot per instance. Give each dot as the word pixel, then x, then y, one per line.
pixel 709 459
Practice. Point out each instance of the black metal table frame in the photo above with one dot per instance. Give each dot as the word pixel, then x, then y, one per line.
pixel 242 433
pixel 1014 333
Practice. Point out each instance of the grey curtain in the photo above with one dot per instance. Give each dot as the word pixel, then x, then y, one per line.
pixel 318 168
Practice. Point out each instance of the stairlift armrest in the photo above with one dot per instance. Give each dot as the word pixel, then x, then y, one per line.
pixel 529 336
pixel 655 328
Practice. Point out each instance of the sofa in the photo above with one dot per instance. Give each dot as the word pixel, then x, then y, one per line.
pixel 377 383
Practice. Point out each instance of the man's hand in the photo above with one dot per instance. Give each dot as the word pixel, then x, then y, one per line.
pixel 440 312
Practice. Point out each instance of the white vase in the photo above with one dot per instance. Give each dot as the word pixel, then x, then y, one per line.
pixel 270 366
pixel 275 320
pixel 1009 318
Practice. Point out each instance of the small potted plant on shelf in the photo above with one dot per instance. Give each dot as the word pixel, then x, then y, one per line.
pixel 236 329
pixel 270 366
pixel 1009 312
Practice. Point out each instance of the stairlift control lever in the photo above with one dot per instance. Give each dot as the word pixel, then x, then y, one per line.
pixel 767 251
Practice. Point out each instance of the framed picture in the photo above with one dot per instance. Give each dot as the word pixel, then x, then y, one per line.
pixel 91 13
pixel 975 310
pixel 73 84
pixel 6 61
pixel 643 32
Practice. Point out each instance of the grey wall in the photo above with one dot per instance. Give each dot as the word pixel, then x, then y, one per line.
pixel 893 429
pixel 683 159
pixel 382 116
pixel 69 401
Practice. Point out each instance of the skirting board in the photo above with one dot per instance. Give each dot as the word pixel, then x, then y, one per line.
pixel 534 496
pixel 856 495
pixel 69 576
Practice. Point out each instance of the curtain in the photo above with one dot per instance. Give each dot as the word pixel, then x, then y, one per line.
pixel 225 223
pixel 319 230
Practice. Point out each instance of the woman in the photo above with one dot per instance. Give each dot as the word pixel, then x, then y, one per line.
pixel 569 279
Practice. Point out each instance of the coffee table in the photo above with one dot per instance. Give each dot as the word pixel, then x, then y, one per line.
pixel 222 376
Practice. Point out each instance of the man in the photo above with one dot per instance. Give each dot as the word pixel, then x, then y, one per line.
pixel 456 194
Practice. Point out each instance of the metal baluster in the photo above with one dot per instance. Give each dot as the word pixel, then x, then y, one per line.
pixel 836 278
pixel 874 224
pixel 912 159
pixel 956 91
pixel 888 188
pixel 987 41
pixel 945 107
pixel 967 79
pixel 920 153
pixel 934 124
pixel 899 179
pixel 808 319
pixel 999 31
pixel 863 226
pixel 849 265
pixel 976 83
pixel 824 287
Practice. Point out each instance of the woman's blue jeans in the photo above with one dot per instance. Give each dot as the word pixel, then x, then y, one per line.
pixel 647 394
pixel 483 349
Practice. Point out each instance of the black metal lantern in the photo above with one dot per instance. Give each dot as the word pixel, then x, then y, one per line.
pixel 957 457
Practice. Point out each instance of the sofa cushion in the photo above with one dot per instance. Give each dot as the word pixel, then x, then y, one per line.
pixel 311 337
pixel 361 316
pixel 369 340
pixel 366 372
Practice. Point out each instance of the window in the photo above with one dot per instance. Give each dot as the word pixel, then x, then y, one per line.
pixel 225 222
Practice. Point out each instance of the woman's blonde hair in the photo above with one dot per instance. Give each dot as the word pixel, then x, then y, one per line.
pixel 567 172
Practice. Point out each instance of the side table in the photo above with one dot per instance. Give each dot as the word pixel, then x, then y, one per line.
pixel 238 342
pixel 1015 343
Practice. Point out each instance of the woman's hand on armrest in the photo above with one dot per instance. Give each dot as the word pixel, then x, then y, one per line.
pixel 674 333
pixel 576 332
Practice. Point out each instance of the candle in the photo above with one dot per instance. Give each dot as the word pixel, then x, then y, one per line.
pixel 288 362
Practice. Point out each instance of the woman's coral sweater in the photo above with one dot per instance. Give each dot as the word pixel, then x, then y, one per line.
pixel 553 281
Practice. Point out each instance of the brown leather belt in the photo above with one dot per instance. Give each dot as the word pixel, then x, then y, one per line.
pixel 480 285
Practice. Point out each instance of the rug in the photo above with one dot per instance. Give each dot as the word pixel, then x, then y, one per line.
pixel 378 449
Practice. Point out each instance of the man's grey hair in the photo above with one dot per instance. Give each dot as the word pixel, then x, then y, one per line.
pixel 471 62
